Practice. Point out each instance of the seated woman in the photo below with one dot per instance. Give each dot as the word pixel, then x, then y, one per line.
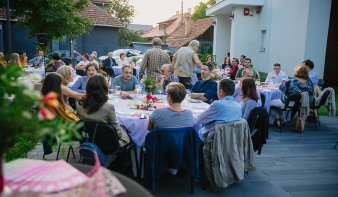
pixel 300 83
pixel 249 97
pixel 52 83
pixel 14 60
pixel 121 62
pixel 68 76
pixel 174 116
pixel 56 62
pixel 80 85
pixel 226 63
pixel 95 108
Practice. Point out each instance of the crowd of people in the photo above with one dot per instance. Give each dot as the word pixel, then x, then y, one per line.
pixel 231 99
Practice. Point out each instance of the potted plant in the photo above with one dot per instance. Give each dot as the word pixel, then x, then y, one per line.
pixel 19 104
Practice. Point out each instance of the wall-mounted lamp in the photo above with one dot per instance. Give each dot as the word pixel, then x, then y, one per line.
pixel 214 23
pixel 231 17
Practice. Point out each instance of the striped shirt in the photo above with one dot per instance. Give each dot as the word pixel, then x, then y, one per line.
pixel 153 60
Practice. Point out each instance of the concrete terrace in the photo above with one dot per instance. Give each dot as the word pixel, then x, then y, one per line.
pixel 292 164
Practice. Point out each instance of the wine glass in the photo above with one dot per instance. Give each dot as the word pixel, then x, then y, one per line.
pixel 117 90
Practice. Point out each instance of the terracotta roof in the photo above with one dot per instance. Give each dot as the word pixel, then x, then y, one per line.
pixel 170 29
pixel 197 28
pixel 99 16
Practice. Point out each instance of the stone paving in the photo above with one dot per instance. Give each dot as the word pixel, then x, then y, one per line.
pixel 291 164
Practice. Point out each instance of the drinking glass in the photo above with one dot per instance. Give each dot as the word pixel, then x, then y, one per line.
pixel 117 90
pixel 271 83
pixel 258 82
pixel 137 87
pixel 116 98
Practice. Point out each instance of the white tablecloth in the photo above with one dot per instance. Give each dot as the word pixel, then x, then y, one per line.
pixel 137 128
pixel 37 71
pixel 272 95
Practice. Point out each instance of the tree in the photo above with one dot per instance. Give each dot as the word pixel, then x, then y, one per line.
pixel 54 17
pixel 122 11
pixel 202 51
pixel 127 36
pixel 199 10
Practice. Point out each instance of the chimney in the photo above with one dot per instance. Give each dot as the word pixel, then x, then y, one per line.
pixel 187 26
pixel 189 10
pixel 177 12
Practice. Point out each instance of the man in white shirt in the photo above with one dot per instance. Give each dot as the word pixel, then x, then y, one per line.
pixel 92 60
pixel 82 64
pixel 277 76
pixel 312 75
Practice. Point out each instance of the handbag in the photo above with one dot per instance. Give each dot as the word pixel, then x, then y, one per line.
pixel 87 150
pixel 300 123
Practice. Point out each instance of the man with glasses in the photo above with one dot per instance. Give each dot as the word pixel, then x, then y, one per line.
pixel 166 77
pixel 247 73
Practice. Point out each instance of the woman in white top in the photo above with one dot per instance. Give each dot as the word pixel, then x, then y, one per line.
pixel 122 61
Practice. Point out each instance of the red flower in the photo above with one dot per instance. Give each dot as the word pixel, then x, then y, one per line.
pixel 51 99
pixel 156 83
pixel 45 114
pixel 152 98
pixel 150 86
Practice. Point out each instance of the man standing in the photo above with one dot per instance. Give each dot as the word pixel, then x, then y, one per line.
pixel 312 75
pixel 126 81
pixel 276 76
pixel 97 59
pixel 184 62
pixel 2 61
pixel 110 61
pixel 38 60
pixel 82 64
pixel 221 111
pixel 205 89
pixel 166 77
pixel 92 60
pixel 247 64
pixel 153 60
pixel 23 59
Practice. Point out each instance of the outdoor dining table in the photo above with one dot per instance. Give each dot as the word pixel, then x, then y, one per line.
pixel 137 128
pixel 37 71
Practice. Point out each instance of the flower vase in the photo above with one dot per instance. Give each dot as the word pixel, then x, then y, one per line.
pixel 149 99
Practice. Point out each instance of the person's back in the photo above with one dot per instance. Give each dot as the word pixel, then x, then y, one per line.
pixel 167 118
pixel 184 61
pixel 295 86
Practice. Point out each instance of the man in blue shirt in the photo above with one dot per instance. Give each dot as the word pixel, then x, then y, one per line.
pixel 38 60
pixel 166 77
pixel 126 81
pixel 221 111
pixel 312 75
pixel 205 89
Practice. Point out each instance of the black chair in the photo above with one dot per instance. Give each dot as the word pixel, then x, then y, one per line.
pixel 106 139
pixel 291 104
pixel 134 72
pixel 253 124
pixel 321 103
pixel 110 72
pixel 79 72
pixel 262 99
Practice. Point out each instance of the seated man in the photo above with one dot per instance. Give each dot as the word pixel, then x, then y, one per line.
pixel 166 77
pixel 93 60
pixel 38 60
pixel 221 111
pixel 82 64
pixel 110 61
pixel 238 90
pixel 126 81
pixel 205 89
pixel 313 76
pixel 247 64
pixel 276 76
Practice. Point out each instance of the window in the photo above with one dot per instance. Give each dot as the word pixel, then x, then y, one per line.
pixel 263 41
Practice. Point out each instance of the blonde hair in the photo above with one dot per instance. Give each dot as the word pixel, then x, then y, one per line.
pixel 235 58
pixel 301 72
pixel 127 66
pixel 65 72
pixel 14 60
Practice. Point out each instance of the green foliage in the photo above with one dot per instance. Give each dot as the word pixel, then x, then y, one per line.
pixel 323 110
pixel 210 50
pixel 202 51
pixel 25 143
pixel 135 59
pixel 199 10
pixel 55 17
pixel 122 11
pixel 263 78
pixel 127 36
pixel 150 85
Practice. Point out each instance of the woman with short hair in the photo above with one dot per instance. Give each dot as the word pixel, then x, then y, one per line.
pixel 80 85
pixel 249 97
pixel 55 63
pixel 52 83
pixel 173 116
pixel 95 108
pixel 300 83
pixel 122 61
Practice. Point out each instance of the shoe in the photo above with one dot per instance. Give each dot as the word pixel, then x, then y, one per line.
pixel 278 123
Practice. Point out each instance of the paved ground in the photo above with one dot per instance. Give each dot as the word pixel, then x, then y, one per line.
pixel 292 164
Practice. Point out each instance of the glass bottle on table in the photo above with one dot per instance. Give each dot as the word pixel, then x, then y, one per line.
pixel 118 90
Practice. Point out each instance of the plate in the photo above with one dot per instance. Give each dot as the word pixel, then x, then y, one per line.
pixel 196 110
pixel 125 112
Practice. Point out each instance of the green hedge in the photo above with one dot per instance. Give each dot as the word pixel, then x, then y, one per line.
pixel 27 141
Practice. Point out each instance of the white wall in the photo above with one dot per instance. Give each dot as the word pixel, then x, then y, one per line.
pixel 222 31
pixel 316 35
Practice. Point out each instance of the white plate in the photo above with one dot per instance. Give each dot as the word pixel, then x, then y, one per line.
pixel 196 111
pixel 125 112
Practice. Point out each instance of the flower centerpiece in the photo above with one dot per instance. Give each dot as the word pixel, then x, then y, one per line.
pixel 22 109
pixel 150 86
pixel 134 60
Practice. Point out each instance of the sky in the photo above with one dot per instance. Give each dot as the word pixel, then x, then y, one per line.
pixel 150 12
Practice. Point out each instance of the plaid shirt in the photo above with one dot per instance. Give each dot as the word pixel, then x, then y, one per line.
pixel 153 60
pixel 233 72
